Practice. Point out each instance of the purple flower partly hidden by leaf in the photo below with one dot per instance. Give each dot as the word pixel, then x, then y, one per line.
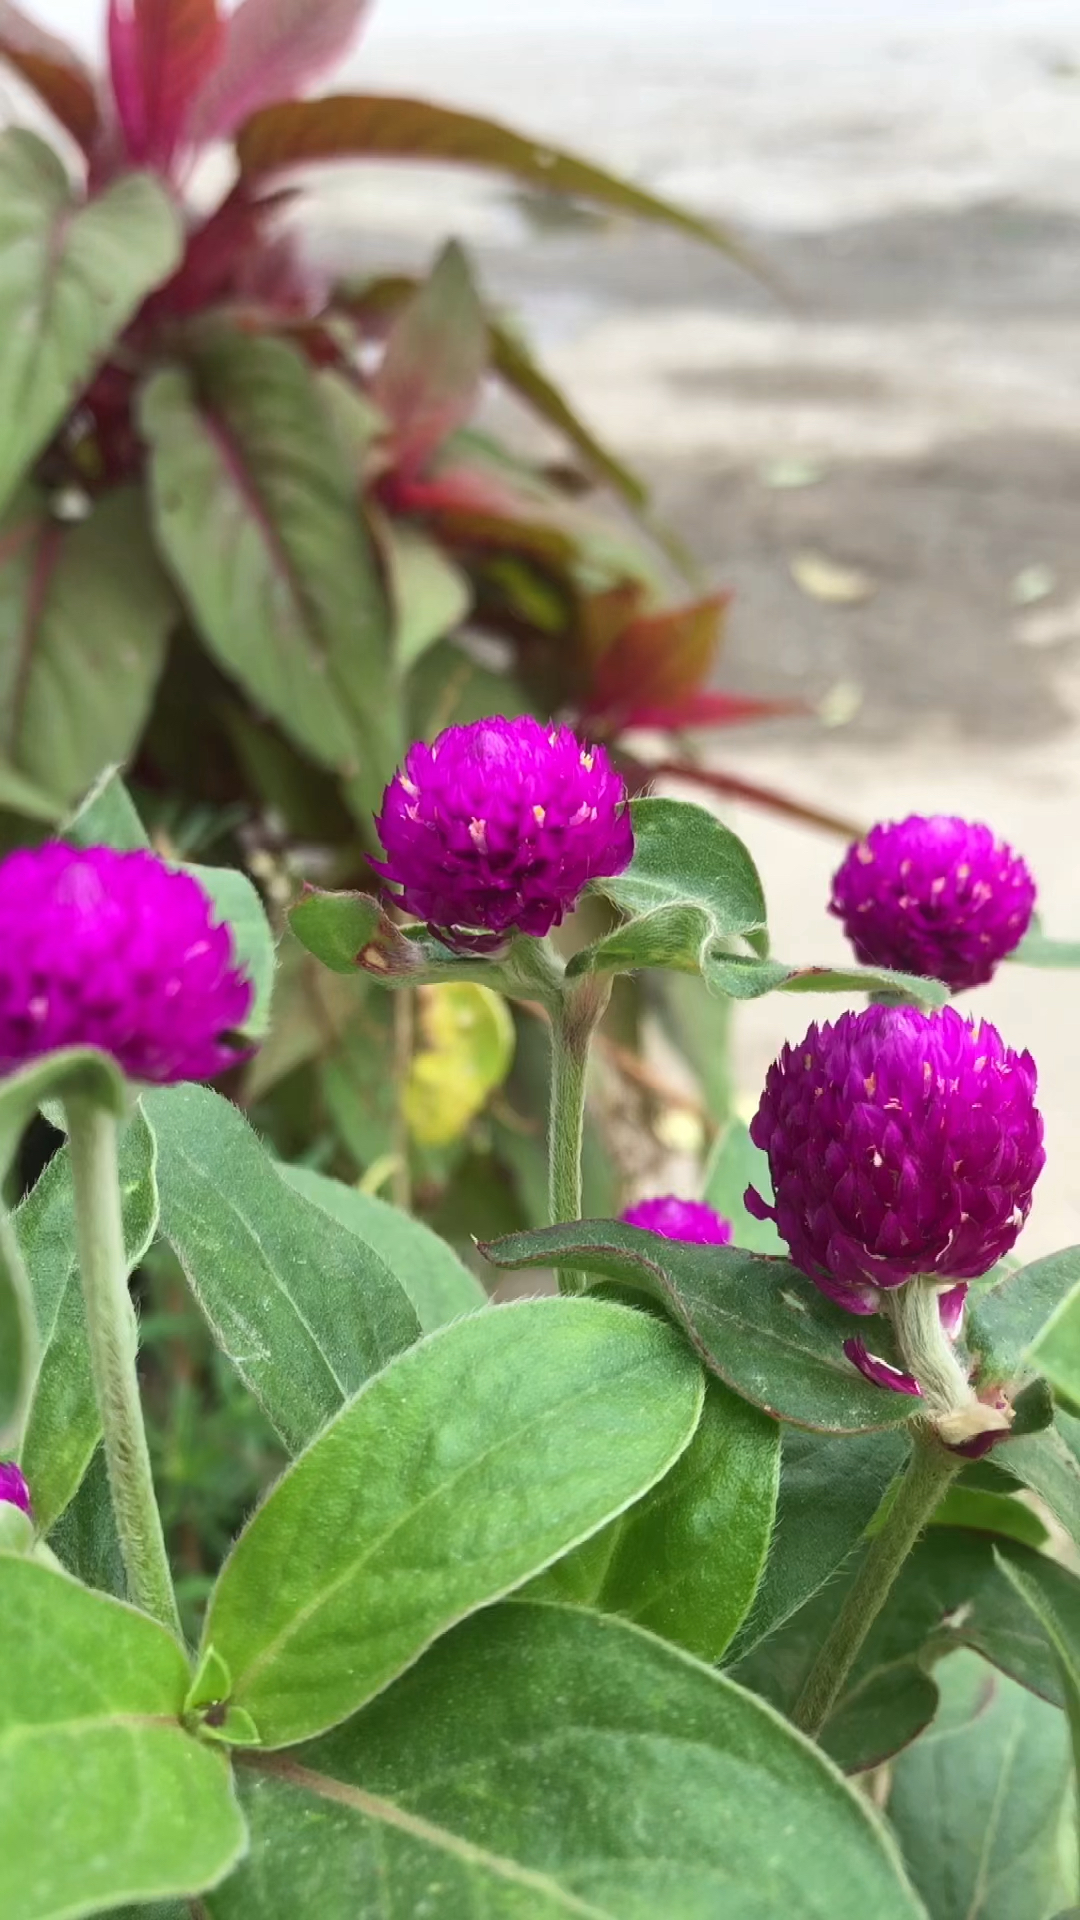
pixel 498 827
pixel 117 951
pixel 13 1488
pixel 939 897
pixel 899 1143
pixel 880 1371
pixel 678 1219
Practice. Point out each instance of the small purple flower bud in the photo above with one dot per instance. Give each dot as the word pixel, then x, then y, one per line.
pixel 117 951
pixel 13 1488
pixel 938 897
pixel 879 1371
pixel 899 1143
pixel 678 1219
pixel 498 827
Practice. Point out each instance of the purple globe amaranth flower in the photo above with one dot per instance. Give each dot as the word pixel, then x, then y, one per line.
pixel 13 1488
pixel 117 951
pixel 899 1143
pixel 939 897
pixel 678 1219
pixel 498 827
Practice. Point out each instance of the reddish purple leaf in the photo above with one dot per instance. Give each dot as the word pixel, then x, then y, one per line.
pixel 274 49
pixel 654 661
pixel 429 379
pixel 161 52
pixel 55 72
pixel 709 710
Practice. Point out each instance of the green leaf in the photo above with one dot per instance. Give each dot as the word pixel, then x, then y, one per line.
pixel 103 1796
pixel 736 1164
pixel 756 1322
pixel 1036 949
pixel 379 127
pixel 988 1512
pixel 745 977
pixel 440 1287
pixel 879 1717
pixel 1054 1598
pixel 685 1561
pixel 236 899
pixel 303 1309
pixel 429 595
pixel 830 1489
pixel 256 514
pixel 1005 1327
pixel 978 1802
pixel 1049 1463
pixel 690 885
pixel 85 1540
pixel 540 1762
pixel 469 1464
pixel 107 817
pixel 428 381
pixel 63 1426
pixel 75 273
pixel 513 362
pixel 1055 1350
pixel 85 612
pixel 17 1336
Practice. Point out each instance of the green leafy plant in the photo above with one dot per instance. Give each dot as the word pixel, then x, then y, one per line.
pixel 585 1603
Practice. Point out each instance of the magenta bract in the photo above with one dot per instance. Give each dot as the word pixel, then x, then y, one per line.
pixel 899 1142
pixel 13 1488
pixel 939 897
pixel 881 1373
pixel 680 1220
pixel 498 827
pixel 117 951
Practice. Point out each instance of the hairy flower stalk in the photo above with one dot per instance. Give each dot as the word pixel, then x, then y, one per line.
pixel 903 1149
pixel 675 1219
pixel 934 896
pixel 497 828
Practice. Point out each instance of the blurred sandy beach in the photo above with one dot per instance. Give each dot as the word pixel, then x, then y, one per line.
pixel 911 174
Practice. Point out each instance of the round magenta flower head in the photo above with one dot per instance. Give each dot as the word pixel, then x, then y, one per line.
pixel 13 1488
pixel 938 897
pixel 899 1143
pixel 117 951
pixel 498 827
pixel 680 1220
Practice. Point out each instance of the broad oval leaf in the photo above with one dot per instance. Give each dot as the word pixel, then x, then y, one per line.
pixel 685 1561
pixel 374 127
pixel 103 1796
pixel 1053 1594
pixel 73 277
pixel 541 1762
pixel 63 1425
pixel 1049 1463
pixel 257 517
pixel 979 1802
pixel 756 1322
pixel 686 861
pixel 428 381
pixel 85 612
pixel 470 1463
pixel 304 1310
pixel 1030 1319
pixel 1055 1348
pixel 439 1285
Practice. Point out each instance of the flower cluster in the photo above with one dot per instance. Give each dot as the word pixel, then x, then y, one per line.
pixel 938 897
pixel 117 951
pixel 498 827
pixel 899 1143
pixel 676 1219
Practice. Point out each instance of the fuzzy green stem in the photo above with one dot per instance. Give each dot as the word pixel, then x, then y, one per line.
pixel 113 1340
pixel 928 1474
pixel 572 1023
